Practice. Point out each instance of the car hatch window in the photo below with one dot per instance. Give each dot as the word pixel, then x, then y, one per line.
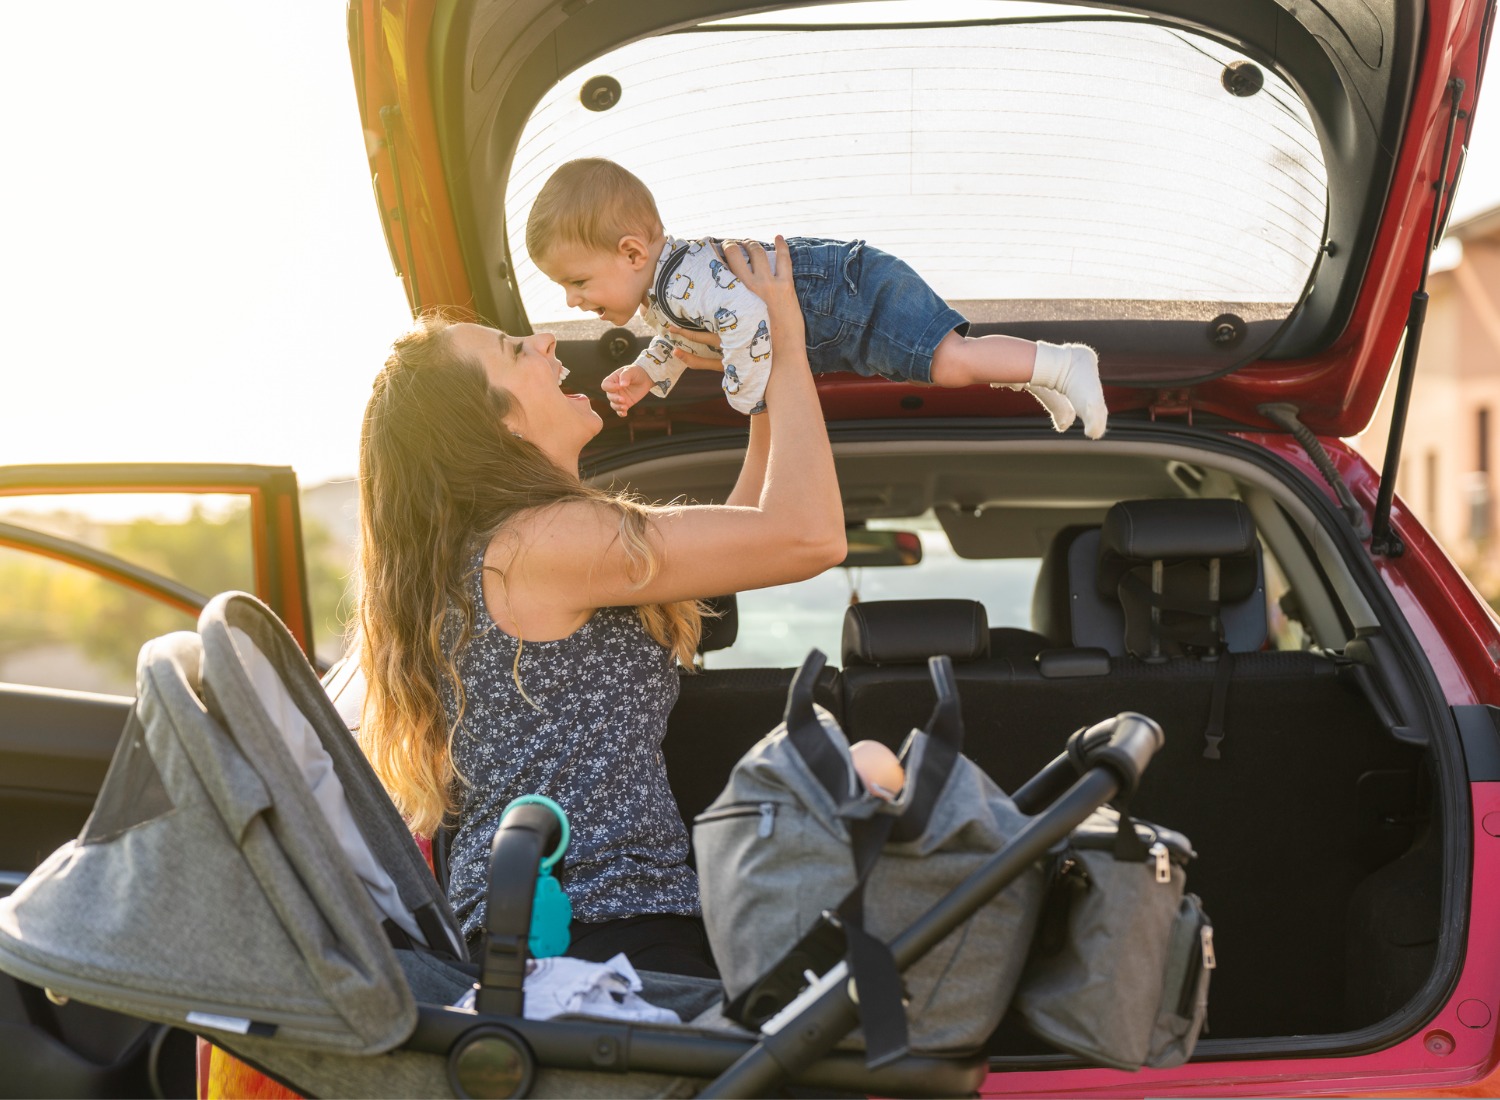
pixel 1079 167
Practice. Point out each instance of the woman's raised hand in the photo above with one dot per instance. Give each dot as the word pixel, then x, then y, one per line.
pixel 753 266
pixel 769 278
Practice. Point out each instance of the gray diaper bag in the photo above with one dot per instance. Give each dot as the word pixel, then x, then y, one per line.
pixel 802 869
pixel 1119 969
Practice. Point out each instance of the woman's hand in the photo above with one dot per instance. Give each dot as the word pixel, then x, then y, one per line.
pixel 754 270
pixel 751 265
pixel 697 362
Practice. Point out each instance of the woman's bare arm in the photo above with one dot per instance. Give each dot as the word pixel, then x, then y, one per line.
pixel 572 555
pixel 752 477
pixel 752 480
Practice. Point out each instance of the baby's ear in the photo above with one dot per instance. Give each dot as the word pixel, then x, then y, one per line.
pixel 634 251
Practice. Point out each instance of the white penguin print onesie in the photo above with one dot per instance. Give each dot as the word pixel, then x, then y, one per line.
pixel 694 289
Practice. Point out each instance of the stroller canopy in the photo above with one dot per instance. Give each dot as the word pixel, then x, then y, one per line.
pixel 242 869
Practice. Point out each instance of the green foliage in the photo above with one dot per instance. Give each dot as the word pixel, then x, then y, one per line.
pixel 44 602
pixel 330 588
pixel 208 554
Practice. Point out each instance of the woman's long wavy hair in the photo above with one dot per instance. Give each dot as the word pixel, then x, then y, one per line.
pixel 440 473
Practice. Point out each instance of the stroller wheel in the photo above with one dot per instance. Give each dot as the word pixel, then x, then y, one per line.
pixel 490 1063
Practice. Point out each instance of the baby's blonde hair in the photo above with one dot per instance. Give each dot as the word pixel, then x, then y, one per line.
pixel 590 202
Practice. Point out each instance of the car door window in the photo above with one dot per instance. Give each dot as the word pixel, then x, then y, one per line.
pixel 66 625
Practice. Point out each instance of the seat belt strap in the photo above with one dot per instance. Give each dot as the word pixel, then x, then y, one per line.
pixel 1215 731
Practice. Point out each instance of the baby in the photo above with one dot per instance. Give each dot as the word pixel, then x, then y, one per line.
pixel 595 231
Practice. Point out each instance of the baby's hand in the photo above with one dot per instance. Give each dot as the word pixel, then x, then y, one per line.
pixel 625 387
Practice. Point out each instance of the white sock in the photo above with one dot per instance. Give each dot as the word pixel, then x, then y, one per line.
pixel 1073 370
pixel 1058 407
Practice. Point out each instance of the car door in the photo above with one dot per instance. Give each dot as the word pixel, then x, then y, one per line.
pixel 94 561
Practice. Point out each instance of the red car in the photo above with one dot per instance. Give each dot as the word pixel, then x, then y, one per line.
pixel 1235 204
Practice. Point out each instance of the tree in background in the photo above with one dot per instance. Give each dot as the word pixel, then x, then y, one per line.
pixel 208 553
pixel 330 588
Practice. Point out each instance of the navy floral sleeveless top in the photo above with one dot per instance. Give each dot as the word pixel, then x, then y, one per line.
pixel 592 743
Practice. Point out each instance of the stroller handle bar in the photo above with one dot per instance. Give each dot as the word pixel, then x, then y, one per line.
pixel 1124 744
pixel 528 834
pixel 1114 752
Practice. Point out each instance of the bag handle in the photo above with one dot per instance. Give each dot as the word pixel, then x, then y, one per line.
pixel 945 741
pixel 882 1015
pixel 806 733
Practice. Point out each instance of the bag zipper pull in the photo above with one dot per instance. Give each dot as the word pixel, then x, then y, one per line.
pixel 767 819
pixel 1163 861
pixel 1206 938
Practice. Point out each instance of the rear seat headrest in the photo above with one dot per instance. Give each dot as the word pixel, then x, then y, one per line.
pixel 902 632
pixel 1137 532
pixel 1052 598
pixel 1110 574
pixel 720 630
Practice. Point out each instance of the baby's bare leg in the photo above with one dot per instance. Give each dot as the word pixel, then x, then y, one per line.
pixel 1064 377
pixel 971 361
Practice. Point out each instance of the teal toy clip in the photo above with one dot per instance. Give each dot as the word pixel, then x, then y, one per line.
pixel 551 911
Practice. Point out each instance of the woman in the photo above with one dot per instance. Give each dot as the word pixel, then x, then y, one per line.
pixel 520 629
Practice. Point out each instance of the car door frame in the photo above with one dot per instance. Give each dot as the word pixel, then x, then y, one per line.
pixel 275 527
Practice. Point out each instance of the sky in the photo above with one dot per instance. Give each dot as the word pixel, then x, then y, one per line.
pixel 194 268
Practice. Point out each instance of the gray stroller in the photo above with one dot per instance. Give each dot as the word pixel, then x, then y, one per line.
pixel 244 876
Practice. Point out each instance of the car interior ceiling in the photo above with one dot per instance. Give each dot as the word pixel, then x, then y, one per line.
pixel 1316 827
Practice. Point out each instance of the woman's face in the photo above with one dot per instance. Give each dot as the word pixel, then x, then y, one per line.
pixel 526 368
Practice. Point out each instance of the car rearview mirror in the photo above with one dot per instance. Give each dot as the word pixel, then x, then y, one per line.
pixel 882 548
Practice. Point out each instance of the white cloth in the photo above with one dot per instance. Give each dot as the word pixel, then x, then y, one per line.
pixel 561 986
pixel 694 289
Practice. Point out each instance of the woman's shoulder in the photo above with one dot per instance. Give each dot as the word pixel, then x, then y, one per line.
pixel 578 526
pixel 544 566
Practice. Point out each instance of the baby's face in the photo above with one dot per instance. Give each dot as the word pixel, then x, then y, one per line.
pixel 611 284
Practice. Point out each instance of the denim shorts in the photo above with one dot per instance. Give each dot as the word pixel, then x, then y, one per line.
pixel 867 311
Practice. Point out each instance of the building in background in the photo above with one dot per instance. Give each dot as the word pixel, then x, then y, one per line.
pixel 1447 473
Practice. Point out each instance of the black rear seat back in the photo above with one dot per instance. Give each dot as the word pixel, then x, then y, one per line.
pixel 1280 823
pixel 721 625
pixel 1286 802
pixel 720 713
pixel 886 687
pixel 1165 578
